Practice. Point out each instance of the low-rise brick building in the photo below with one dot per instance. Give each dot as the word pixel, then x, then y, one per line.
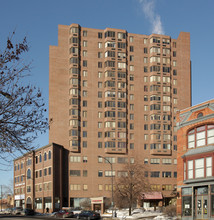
pixel 195 157
pixel 41 179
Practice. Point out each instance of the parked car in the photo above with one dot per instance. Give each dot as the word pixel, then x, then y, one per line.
pixel 64 213
pixel 27 212
pixel 88 215
pixel 8 211
pixel 17 210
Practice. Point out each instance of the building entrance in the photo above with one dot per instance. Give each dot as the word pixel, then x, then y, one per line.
pixel 201 203
pixel 202 207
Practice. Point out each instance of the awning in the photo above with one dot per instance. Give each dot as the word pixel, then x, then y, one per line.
pixel 151 195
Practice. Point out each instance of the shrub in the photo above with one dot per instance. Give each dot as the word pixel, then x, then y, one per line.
pixel 170 210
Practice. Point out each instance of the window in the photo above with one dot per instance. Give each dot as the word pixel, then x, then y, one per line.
pixel 85 173
pixel 166 174
pixel 121 35
pixel 100 74
pixel 45 156
pixel 29 174
pixel 75 187
pixel 84 73
pixel 131 145
pixel 100 64
pixel 85 33
pixel 100 35
pixel 40 158
pixel 100 114
pixel 74 30
pixel 85 53
pixel 109 34
pixel 40 173
pixel 75 159
pixel 85 187
pixel 100 144
pixel 131 39
pixel 199 168
pixel 146 107
pixel 131 49
pixel 166 161
pixel 110 44
pixel 85 159
pixel 155 174
pixel 121 55
pixel 190 169
pixel 84 133
pixel 85 43
pixel 28 189
pixel 146 161
pixel 209 166
pixel 85 63
pixel 201 136
pixel 84 144
pixel 45 172
pixel 99 94
pixel 49 170
pixel 155 160
pixel 121 45
pixel 74 172
pixel 109 173
pixel 74 40
pixel 166 187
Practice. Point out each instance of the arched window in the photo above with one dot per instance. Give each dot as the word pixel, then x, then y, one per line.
pixel 28 174
pixel 49 154
pixel 45 156
pixel 200 136
pixel 199 115
pixel 40 158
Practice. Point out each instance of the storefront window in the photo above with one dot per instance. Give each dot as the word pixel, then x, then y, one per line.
pixel 186 201
pixel 202 190
pixel 187 205
pixel 48 202
pixel 38 202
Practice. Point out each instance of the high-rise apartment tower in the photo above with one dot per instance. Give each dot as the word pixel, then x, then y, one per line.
pixel 115 94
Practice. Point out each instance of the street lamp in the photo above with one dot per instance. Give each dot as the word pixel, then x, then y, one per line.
pixel 112 191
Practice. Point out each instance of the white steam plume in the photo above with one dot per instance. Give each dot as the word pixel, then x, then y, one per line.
pixel 148 7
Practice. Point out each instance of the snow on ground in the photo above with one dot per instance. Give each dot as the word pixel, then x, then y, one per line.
pixel 137 214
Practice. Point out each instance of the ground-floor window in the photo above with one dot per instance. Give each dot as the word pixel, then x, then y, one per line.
pixel 17 203
pixel 76 202
pixel 187 201
pixel 38 203
pixel 48 202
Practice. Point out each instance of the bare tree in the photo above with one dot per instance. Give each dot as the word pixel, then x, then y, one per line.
pixel 86 204
pixel 22 109
pixel 130 185
pixel 7 189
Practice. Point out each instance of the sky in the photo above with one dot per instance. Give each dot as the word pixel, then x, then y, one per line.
pixel 39 20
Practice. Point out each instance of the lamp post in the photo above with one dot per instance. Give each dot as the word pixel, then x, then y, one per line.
pixel 112 191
